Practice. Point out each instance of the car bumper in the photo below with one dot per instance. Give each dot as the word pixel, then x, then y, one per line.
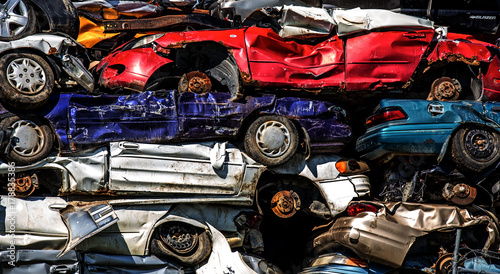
pixel 404 140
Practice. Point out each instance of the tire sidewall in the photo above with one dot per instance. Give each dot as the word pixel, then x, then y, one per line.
pixel 200 253
pixel 464 160
pixel 30 25
pixel 11 96
pixel 13 156
pixel 251 147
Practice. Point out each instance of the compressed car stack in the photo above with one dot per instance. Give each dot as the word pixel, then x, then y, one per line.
pixel 229 143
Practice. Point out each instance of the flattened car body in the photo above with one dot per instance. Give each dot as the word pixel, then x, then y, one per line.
pixel 190 173
pixel 368 53
pixel 386 236
pixel 425 128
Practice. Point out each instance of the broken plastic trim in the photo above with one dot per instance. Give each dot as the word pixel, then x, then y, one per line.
pixel 82 223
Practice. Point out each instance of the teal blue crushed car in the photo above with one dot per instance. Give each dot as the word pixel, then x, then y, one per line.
pixel 467 132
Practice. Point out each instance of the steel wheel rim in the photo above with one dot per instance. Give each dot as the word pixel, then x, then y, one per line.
pixel 273 139
pixel 480 145
pixel 13 18
pixel 29 138
pixel 180 239
pixel 26 75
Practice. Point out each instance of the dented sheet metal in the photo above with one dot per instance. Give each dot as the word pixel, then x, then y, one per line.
pixel 169 116
pixel 305 22
pixel 337 189
pixel 46 43
pixel 183 173
pixel 386 237
pixel 111 9
pixel 356 20
pixel 130 235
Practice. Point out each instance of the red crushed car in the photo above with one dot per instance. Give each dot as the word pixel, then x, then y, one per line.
pixel 407 56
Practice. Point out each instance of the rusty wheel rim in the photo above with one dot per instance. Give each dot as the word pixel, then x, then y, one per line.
pixel 446 89
pixel 285 203
pixel 195 81
pixel 480 145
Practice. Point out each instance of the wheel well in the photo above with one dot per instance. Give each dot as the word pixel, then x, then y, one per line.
pixel 463 72
pixel 213 59
pixel 305 188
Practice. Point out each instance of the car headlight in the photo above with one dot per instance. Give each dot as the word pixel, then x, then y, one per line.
pixel 143 41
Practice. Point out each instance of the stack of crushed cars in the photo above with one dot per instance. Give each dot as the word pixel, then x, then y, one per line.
pixel 244 137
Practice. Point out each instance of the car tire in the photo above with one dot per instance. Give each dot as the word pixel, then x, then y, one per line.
pixel 31 139
pixel 271 140
pixel 19 21
pixel 187 244
pixel 28 80
pixel 475 149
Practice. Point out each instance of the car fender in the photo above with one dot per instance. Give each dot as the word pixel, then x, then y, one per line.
pixel 461 48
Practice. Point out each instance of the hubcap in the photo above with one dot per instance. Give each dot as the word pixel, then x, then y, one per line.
pixel 273 139
pixel 27 138
pixel 480 144
pixel 26 75
pixel 13 18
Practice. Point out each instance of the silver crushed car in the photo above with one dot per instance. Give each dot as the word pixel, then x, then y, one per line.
pixel 33 66
pixel 209 172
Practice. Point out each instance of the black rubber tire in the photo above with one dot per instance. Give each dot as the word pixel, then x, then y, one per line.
pixel 200 252
pixel 30 27
pixel 15 97
pixel 256 152
pixel 468 156
pixel 44 149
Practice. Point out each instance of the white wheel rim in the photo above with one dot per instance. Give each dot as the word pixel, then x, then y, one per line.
pixel 273 139
pixel 26 76
pixel 28 138
pixel 13 18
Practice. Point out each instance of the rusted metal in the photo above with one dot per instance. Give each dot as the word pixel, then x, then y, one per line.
pixel 445 89
pixel 195 81
pixel 460 194
pixel 25 185
pixel 285 203
pixel 167 21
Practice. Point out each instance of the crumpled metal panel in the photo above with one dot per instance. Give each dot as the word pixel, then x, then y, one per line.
pixel 40 261
pixel 111 9
pixel 105 263
pixel 141 117
pixel 278 62
pixel 305 22
pixel 357 20
pixel 31 216
pixel 386 237
pixel 222 259
pixel 462 48
pixel 46 43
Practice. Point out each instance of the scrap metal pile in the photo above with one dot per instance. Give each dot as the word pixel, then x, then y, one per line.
pixel 233 136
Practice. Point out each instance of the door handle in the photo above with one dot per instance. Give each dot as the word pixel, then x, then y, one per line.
pixel 414 35
pixel 129 146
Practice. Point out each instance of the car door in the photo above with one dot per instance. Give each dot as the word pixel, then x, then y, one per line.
pixel 274 61
pixel 142 117
pixel 382 60
pixel 181 171
pixel 214 114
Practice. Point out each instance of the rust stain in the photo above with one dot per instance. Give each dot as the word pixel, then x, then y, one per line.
pixel 452 57
pixel 52 50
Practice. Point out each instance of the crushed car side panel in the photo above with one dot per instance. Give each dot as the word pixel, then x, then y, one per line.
pixel 274 61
